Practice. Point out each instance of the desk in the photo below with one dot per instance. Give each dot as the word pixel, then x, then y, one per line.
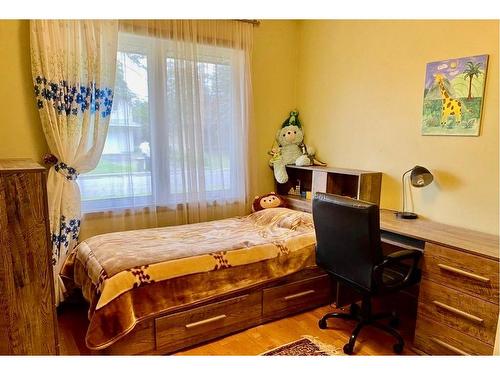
pixel 421 229
pixel 458 295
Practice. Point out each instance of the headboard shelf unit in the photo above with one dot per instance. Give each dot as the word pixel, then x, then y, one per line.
pixel 354 183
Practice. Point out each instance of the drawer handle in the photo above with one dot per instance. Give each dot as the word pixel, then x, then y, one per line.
pixel 205 321
pixel 298 295
pixel 461 313
pixel 448 346
pixel 464 273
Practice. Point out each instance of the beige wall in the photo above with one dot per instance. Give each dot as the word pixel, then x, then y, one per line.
pixel 360 92
pixel 21 134
pixel 274 82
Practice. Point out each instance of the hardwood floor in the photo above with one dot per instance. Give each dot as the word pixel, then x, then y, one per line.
pixel 73 324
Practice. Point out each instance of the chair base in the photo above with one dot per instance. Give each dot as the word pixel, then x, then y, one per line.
pixel 364 316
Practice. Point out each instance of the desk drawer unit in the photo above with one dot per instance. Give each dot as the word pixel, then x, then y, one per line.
pixel 190 327
pixel 294 297
pixel 470 273
pixel 470 315
pixel 458 303
pixel 437 339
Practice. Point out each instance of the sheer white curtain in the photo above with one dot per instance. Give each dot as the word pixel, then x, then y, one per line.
pixel 73 66
pixel 179 139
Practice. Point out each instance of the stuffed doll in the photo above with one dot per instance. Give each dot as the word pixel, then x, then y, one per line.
pixel 291 148
pixel 270 200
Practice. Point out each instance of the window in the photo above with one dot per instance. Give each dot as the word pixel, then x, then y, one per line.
pixel 175 135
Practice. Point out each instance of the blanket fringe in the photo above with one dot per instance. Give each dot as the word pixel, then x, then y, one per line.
pixel 327 348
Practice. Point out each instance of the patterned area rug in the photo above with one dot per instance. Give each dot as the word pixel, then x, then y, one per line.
pixel 305 346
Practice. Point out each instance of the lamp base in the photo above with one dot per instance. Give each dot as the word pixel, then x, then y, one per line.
pixel 406 215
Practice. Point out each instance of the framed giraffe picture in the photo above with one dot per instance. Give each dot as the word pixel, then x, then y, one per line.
pixel 454 95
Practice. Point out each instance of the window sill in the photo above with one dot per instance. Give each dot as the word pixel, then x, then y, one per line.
pixel 152 209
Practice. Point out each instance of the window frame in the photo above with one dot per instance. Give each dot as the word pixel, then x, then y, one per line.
pixel 156 59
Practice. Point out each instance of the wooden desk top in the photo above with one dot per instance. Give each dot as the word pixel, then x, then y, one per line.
pixel 471 241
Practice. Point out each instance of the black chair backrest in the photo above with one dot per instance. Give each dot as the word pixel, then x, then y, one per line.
pixel 347 238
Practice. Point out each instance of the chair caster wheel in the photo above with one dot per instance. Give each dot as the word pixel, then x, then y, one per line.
pixel 322 324
pixel 398 348
pixel 394 322
pixel 348 349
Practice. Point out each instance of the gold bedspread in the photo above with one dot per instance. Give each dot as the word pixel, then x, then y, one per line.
pixel 129 276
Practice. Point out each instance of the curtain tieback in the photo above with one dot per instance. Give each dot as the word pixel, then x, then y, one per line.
pixel 69 172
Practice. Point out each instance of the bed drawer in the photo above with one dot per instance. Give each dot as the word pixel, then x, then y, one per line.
pixel 437 339
pixel 297 296
pixel 194 326
pixel 470 315
pixel 469 273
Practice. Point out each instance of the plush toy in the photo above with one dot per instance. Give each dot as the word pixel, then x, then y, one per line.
pixel 290 148
pixel 270 200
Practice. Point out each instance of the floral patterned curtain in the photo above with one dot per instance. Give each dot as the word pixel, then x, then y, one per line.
pixel 73 65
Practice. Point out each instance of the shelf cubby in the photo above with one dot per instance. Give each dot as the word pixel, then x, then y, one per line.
pixel 358 184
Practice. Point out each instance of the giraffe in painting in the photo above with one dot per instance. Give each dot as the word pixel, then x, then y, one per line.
pixel 451 107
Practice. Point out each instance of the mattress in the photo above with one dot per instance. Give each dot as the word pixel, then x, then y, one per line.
pixel 130 276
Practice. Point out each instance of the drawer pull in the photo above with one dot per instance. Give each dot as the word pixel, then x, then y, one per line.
pixel 448 346
pixel 205 321
pixel 461 313
pixel 298 295
pixel 464 273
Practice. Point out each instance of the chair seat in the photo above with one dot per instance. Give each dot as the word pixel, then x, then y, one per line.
pixel 395 273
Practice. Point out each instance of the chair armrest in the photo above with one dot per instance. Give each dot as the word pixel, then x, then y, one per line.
pixel 404 254
pixel 395 258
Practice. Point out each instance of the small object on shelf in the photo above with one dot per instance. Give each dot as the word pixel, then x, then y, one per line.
pixel 318 162
pixel 292 191
pixel 308 195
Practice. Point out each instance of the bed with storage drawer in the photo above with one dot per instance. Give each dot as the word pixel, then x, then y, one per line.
pixel 156 291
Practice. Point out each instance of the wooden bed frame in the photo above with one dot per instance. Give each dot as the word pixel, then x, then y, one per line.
pixel 182 327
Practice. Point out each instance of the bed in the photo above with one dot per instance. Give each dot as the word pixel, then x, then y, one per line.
pixel 162 289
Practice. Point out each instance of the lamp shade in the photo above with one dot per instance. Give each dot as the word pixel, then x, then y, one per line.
pixel 420 176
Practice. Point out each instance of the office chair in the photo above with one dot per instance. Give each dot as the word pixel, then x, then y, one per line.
pixel 348 248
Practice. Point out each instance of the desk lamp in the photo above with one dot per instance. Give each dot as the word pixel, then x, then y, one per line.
pixel 419 177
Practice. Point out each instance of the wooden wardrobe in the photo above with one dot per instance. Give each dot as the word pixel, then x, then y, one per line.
pixel 28 321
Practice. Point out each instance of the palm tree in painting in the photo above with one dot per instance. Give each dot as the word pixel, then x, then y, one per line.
pixel 470 72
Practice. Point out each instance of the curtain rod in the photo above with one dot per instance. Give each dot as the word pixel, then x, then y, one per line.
pixel 253 22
